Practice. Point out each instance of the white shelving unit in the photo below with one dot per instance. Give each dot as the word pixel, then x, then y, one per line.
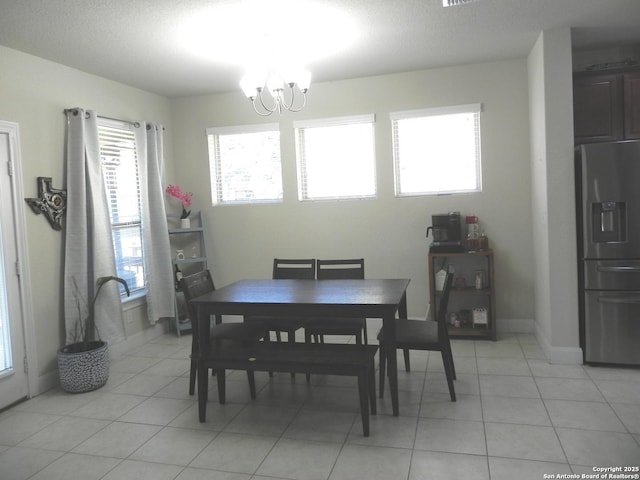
pixel 191 242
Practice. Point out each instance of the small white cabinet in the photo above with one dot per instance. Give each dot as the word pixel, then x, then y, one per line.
pixel 189 255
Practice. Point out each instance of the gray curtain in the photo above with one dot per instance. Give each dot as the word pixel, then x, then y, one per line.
pixel 88 242
pixel 155 238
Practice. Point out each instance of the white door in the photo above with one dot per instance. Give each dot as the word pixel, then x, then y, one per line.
pixel 14 383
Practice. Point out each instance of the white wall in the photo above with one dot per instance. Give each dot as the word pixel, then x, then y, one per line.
pixel 553 200
pixel 34 93
pixel 537 111
pixel 388 232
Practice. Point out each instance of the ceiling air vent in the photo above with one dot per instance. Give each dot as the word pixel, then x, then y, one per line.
pixel 453 3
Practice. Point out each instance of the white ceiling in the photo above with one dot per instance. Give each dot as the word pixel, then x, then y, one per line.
pixel 136 41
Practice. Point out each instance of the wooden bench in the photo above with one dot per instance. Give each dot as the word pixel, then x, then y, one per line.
pixel 323 359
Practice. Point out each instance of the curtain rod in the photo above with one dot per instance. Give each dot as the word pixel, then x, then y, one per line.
pixel 75 111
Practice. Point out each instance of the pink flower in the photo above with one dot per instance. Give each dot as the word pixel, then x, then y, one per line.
pixel 184 197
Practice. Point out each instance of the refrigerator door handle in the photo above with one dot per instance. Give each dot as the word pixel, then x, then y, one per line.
pixel 620 300
pixel 619 269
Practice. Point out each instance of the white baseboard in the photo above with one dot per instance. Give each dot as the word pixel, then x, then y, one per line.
pixel 135 340
pixel 504 325
pixel 515 325
pixel 50 380
pixel 558 355
pixel 46 382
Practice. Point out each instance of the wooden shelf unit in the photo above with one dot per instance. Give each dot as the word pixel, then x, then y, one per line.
pixel 467 297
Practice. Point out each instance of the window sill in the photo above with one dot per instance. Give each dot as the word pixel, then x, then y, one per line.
pixel 136 300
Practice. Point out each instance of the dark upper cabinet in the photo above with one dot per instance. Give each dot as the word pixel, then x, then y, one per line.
pixel 632 106
pixel 606 107
pixel 597 108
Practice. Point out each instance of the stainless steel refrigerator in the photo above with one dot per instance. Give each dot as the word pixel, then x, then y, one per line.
pixel 608 199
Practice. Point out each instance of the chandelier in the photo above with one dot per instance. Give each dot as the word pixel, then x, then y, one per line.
pixel 453 3
pixel 282 89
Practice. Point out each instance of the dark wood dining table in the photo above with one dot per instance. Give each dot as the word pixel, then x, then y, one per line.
pixel 369 298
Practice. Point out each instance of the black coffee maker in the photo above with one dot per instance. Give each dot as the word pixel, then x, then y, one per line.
pixel 447 233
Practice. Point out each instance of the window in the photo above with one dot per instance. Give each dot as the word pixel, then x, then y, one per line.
pixel 437 151
pixel 244 164
pixel 120 170
pixel 336 158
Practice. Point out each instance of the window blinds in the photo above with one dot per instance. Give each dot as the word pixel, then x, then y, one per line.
pixel 244 164
pixel 122 184
pixel 336 158
pixel 437 150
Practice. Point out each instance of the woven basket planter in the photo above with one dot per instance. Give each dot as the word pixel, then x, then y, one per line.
pixel 83 371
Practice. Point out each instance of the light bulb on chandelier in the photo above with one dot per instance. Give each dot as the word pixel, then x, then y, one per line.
pixel 280 88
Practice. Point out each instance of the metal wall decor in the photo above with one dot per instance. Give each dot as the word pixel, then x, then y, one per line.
pixel 51 201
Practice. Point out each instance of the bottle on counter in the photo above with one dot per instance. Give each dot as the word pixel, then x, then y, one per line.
pixel 470 243
pixel 473 225
pixel 473 233
pixel 483 242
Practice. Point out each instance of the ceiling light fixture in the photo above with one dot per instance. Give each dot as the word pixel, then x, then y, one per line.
pixel 281 87
pixel 453 3
pixel 270 40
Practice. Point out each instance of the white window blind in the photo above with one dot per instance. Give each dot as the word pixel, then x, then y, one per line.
pixel 244 164
pixel 120 170
pixel 437 151
pixel 336 158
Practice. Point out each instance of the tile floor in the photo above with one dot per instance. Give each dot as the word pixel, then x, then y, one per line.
pixel 517 417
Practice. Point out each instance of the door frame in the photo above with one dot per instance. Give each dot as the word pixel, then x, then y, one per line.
pixel 12 129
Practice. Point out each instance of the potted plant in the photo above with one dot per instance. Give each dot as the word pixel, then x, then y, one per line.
pixel 185 199
pixel 84 364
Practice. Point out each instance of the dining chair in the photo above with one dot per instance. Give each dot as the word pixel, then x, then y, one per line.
pixel 194 286
pixel 316 328
pixel 286 269
pixel 427 335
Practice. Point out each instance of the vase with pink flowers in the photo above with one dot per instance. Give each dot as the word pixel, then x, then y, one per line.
pixel 185 199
